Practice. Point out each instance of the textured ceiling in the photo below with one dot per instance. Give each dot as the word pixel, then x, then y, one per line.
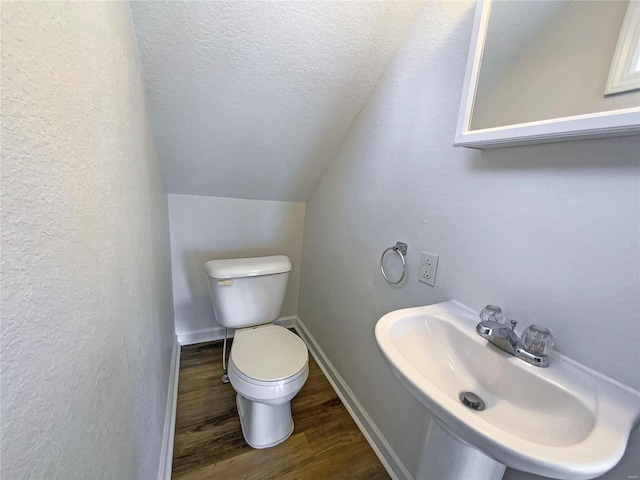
pixel 252 99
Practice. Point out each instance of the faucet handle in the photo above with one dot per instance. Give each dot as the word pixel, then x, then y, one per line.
pixel 492 313
pixel 537 340
pixel 513 324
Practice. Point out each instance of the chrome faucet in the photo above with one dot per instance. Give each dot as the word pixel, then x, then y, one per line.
pixel 531 348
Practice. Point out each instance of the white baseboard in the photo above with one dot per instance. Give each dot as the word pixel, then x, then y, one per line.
pixel 201 336
pixel 217 333
pixel 379 444
pixel 288 322
pixel 166 454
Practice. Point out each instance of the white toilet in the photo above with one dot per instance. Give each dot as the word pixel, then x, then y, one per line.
pixel 268 364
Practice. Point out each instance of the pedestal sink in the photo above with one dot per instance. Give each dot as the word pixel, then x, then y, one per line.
pixel 565 421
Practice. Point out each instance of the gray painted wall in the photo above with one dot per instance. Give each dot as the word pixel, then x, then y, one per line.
pixel 208 228
pixel 87 319
pixel 549 232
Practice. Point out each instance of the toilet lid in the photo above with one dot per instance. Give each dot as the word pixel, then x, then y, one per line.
pixel 268 353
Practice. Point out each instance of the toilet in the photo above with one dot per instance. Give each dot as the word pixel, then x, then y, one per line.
pixel 268 364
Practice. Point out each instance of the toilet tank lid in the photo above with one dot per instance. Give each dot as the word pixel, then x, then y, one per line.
pixel 247 267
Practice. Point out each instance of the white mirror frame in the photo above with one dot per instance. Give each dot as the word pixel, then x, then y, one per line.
pixel 623 76
pixel 593 125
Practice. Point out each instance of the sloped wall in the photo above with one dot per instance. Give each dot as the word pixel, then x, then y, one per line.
pixel 548 232
pixel 87 320
pixel 252 99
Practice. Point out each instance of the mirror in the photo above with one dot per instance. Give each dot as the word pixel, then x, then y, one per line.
pixel 537 72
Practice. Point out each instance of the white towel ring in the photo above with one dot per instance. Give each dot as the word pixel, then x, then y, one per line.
pixel 401 249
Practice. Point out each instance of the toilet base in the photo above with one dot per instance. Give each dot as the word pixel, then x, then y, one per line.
pixel 263 425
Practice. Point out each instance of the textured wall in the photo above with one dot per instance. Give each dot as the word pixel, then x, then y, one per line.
pixel 207 228
pixel 252 99
pixel 87 327
pixel 549 232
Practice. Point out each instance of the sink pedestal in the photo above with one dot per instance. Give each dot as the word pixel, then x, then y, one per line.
pixel 444 456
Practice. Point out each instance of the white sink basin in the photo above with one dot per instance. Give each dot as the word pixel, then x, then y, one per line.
pixel 565 421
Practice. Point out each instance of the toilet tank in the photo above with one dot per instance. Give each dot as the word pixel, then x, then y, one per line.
pixel 248 291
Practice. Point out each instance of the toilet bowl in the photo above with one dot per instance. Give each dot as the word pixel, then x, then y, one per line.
pixel 268 364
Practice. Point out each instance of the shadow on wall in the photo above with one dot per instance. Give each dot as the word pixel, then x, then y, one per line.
pixel 600 154
pixel 198 305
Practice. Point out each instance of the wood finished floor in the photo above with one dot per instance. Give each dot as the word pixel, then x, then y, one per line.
pixel 325 444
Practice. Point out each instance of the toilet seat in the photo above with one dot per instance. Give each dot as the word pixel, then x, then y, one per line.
pixel 282 383
pixel 268 354
pixel 272 393
pixel 268 364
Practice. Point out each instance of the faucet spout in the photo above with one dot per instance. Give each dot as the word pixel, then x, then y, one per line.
pixel 506 339
pixel 500 335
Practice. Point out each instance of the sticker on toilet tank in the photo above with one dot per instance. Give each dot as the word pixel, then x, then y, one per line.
pixel 225 282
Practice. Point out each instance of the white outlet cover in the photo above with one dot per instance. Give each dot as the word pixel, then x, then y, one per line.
pixel 428 268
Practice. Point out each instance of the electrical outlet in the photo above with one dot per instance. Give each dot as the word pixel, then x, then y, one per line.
pixel 428 268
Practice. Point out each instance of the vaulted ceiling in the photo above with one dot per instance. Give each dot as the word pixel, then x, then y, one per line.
pixel 253 99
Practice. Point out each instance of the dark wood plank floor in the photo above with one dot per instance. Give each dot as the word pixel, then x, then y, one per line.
pixel 325 444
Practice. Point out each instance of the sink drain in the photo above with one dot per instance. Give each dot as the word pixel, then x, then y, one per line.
pixel 471 400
